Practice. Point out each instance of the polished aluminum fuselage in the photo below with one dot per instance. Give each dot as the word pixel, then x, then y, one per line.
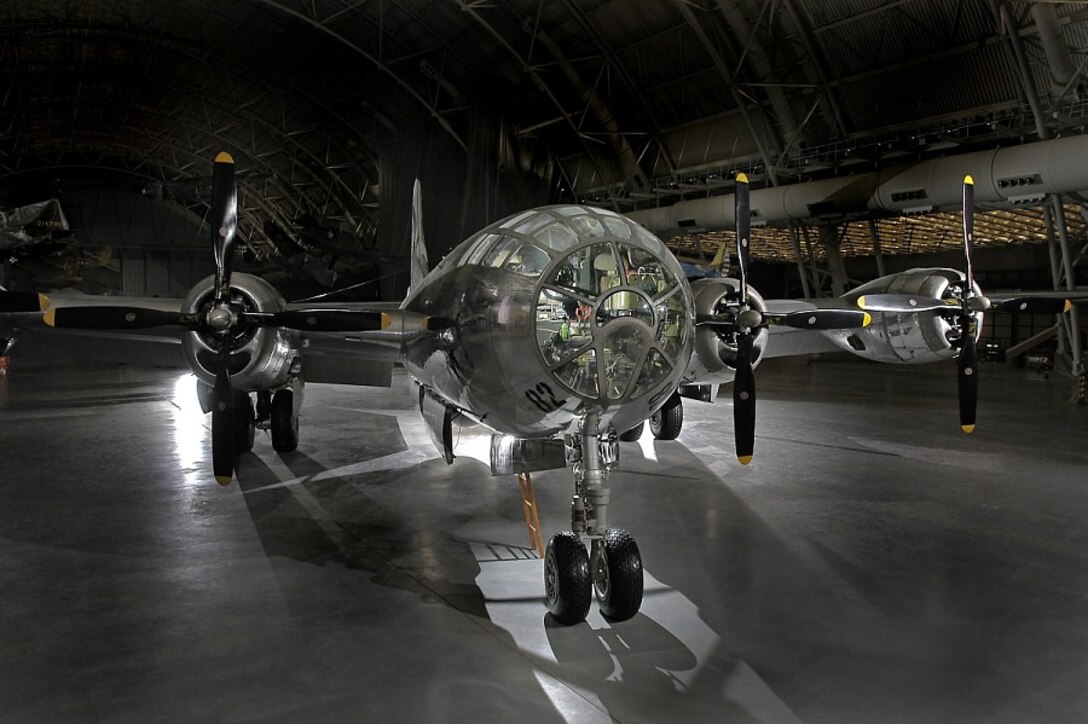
pixel 490 363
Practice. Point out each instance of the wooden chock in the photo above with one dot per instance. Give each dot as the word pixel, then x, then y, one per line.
pixel 532 518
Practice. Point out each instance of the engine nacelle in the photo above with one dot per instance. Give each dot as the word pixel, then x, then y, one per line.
pixel 915 337
pixel 715 353
pixel 261 358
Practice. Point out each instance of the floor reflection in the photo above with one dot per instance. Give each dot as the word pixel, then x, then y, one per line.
pixel 597 671
pixel 190 429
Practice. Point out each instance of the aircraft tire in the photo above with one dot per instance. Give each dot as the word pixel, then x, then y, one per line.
pixel 567 588
pixel 284 422
pixel 244 423
pixel 667 422
pixel 634 433
pixel 617 575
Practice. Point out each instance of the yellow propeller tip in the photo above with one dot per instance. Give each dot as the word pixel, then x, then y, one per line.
pixel 967 428
pixel 742 178
pixel 224 157
pixel 968 180
pixel 861 301
pixel 866 320
pixel 223 480
pixel 43 302
pixel 50 317
pixel 744 459
pixel 1067 307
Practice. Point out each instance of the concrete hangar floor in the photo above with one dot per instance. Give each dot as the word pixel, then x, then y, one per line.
pixel 873 564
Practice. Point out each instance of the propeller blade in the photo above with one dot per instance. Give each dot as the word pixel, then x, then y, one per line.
pixel 1034 305
pixel 224 222
pixel 968 228
pixel 114 318
pixel 744 400
pixel 904 303
pixel 824 319
pixel 223 420
pixel 348 320
pixel 324 320
pixel 967 370
pixel 968 382
pixel 12 302
pixel 743 222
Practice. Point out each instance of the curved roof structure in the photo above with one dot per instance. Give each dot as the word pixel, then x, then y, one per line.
pixel 620 103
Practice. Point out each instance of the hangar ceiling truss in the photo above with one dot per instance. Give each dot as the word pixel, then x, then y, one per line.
pixel 636 104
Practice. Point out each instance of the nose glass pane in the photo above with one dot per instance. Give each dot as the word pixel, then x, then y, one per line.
pixel 589 271
pixel 621 351
pixel 527 260
pixel 655 369
pixel 672 326
pixel 625 305
pixel 562 325
pixel 580 374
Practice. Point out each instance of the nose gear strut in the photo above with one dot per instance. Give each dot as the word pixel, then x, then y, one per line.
pixel 613 566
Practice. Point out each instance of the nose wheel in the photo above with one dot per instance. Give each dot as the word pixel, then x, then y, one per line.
pixel 566 579
pixel 612 569
pixel 617 575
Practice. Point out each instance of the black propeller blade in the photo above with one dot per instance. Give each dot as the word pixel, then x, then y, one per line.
pixel 116 318
pixel 224 222
pixel 224 227
pixel 968 363
pixel 744 384
pixel 904 303
pixel 1034 305
pixel 823 319
pixel 967 374
pixel 223 420
pixel 744 400
pixel 323 320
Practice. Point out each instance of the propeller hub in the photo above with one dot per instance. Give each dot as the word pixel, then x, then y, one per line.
pixel 221 318
pixel 749 318
pixel 977 304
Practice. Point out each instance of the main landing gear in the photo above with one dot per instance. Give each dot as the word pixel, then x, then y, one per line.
pixel 278 413
pixel 612 568
pixel 665 424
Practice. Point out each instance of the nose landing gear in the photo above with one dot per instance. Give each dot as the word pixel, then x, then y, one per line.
pixel 613 566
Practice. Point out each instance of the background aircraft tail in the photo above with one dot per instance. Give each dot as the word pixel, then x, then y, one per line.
pixel 420 266
pixel 720 262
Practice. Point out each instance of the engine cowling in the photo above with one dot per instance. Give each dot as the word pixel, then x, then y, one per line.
pixel 261 358
pixel 915 337
pixel 715 352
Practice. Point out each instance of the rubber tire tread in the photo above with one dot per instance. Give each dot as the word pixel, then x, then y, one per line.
pixel 575 589
pixel 667 422
pixel 284 423
pixel 625 582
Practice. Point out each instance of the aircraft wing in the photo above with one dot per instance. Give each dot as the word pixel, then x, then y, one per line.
pixel 359 357
pixel 789 341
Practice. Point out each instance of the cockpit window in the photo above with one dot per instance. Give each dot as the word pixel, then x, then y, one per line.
pixel 625 304
pixel 589 270
pixel 558 236
pixel 613 310
pixel 618 227
pixel 477 250
pixel 527 260
pixel 497 257
pixel 535 222
pixel 612 316
pixel 588 226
